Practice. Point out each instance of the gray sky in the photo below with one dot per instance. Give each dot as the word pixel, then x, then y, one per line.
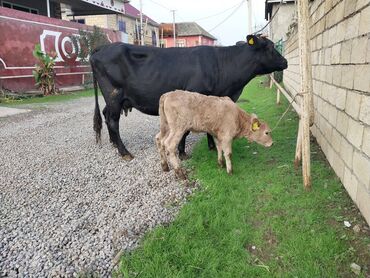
pixel 230 31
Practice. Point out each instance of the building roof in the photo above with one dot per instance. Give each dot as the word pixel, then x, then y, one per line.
pixel 185 29
pixel 131 11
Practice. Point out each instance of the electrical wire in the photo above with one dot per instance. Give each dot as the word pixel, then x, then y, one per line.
pixel 272 17
pixel 224 11
pixel 226 18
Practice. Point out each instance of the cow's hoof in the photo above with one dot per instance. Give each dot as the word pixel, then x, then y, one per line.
pixel 180 174
pixel 221 164
pixel 165 167
pixel 230 172
pixel 183 156
pixel 127 157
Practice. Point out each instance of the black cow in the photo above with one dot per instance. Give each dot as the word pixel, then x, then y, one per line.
pixel 131 76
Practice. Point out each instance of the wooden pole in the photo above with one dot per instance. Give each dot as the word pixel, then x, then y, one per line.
pixel 278 96
pixel 298 149
pixel 306 87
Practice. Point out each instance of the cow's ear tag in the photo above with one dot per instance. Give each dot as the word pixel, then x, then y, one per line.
pixel 251 41
pixel 255 126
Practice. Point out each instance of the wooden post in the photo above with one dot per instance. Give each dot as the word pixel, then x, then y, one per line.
pixel 277 96
pixel 271 81
pixel 306 87
pixel 298 148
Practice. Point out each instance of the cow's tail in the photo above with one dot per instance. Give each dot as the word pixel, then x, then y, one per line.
pixel 97 116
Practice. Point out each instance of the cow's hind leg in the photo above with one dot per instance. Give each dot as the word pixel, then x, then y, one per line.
pixel 181 147
pixel 113 114
pixel 171 143
pixel 111 135
pixel 211 142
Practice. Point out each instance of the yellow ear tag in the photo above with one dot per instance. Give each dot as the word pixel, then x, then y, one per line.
pixel 255 126
pixel 251 41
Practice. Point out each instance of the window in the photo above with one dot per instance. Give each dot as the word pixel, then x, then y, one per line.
pixel 180 43
pixel 122 26
pixel 19 8
pixel 80 20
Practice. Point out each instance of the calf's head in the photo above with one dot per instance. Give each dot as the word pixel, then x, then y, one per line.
pixel 259 132
pixel 269 59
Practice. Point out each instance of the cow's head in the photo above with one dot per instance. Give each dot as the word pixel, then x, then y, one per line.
pixel 259 132
pixel 269 59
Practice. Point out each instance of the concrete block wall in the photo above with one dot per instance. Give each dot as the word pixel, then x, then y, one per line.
pixel 340 47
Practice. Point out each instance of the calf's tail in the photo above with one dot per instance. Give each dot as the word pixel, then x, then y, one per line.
pixel 162 115
pixel 97 116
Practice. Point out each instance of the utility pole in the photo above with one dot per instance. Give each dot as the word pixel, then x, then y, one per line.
pixel 141 23
pixel 174 28
pixel 249 17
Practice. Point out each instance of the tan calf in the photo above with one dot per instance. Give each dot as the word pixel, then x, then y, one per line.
pixel 182 111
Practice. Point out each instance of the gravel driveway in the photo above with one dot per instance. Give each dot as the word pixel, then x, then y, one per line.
pixel 69 206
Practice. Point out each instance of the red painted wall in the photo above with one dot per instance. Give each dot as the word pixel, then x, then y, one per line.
pixel 20 32
pixel 190 41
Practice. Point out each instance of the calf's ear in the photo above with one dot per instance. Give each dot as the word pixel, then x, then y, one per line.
pixel 255 123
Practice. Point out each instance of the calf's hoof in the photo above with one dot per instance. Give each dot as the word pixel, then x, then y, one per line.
pixel 221 164
pixel 165 167
pixel 183 156
pixel 127 157
pixel 230 172
pixel 180 174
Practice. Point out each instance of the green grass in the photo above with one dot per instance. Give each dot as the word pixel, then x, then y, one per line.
pixel 259 222
pixel 47 99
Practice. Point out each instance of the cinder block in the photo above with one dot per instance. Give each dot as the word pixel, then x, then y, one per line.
pixel 335 54
pixel 348 73
pixel 366 141
pixel 350 183
pixel 361 78
pixel 363 201
pixel 338 165
pixel 319 41
pixel 345 52
pixel 333 115
pixel 349 7
pixel 361 167
pixel 331 94
pixel 339 12
pixel 365 109
pixel 353 104
pixel 359 47
pixel 346 152
pixel 328 56
pixel 329 74
pixel 340 102
pixel 361 3
pixel 337 75
pixel 335 141
pixel 368 51
pixel 341 31
pixel 342 123
pixel 352 26
pixel 364 21
pixel 355 132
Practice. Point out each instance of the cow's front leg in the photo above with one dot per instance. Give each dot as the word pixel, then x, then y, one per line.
pixel 181 147
pixel 113 127
pixel 211 142
pixel 220 161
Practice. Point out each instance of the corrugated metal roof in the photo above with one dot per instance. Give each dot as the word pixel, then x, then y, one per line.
pixel 185 29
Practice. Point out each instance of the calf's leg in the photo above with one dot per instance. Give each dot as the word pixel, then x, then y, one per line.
pixel 226 147
pixel 171 143
pixel 220 161
pixel 162 151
